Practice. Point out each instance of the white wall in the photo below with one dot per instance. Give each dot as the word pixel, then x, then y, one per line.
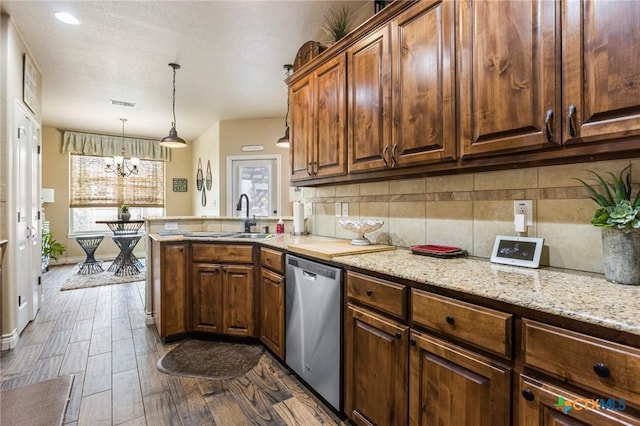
pixel 206 148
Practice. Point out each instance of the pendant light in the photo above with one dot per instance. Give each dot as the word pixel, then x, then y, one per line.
pixel 173 140
pixel 283 142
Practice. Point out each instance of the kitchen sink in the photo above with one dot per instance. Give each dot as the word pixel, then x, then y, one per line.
pixel 206 234
pixel 253 235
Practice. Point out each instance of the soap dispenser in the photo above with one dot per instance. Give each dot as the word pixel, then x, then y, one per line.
pixel 280 226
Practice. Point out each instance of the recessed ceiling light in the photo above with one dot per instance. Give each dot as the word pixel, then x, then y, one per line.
pixel 67 18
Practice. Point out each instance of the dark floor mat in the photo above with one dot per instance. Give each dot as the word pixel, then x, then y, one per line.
pixel 210 360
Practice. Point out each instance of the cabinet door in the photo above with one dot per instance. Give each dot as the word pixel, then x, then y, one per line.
pixel 170 293
pixel 272 311
pixel 207 298
pixel 452 386
pixel 238 300
pixel 601 70
pixel 541 404
pixel 329 147
pixel 369 130
pixel 424 84
pixel 509 76
pixel 375 371
pixel 301 130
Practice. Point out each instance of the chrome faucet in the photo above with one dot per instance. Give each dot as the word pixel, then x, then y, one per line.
pixel 248 222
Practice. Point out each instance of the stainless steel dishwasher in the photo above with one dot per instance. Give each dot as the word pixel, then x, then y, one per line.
pixel 313 297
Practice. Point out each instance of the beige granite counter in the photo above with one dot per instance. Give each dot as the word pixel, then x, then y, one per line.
pixel 580 296
pixel 584 297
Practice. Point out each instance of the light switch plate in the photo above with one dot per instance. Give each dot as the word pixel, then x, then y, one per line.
pixel 338 209
pixel 171 226
pixel 345 209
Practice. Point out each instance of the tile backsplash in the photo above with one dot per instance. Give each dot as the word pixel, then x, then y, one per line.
pixel 469 210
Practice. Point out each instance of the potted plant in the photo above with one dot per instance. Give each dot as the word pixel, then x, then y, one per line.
pixel 124 213
pixel 51 249
pixel 337 24
pixel 618 214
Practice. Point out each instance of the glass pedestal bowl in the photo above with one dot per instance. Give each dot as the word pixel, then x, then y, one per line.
pixel 361 227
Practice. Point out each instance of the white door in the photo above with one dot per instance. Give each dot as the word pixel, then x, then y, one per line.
pixel 36 223
pixel 27 226
pixel 259 178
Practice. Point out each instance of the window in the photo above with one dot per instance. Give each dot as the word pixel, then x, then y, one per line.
pixel 96 194
pixel 259 178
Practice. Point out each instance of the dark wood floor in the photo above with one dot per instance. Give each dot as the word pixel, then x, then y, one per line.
pixel 99 335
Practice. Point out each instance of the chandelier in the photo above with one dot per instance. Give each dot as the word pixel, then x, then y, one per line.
pixel 118 163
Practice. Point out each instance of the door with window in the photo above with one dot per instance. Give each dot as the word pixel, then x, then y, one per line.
pixel 259 178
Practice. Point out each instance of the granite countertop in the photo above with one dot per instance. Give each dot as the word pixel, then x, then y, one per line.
pixel 581 296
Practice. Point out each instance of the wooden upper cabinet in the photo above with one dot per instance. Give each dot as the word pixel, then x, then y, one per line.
pixel 422 50
pixel 369 125
pixel 601 70
pixel 509 79
pixel 317 131
pixel 329 147
pixel 300 130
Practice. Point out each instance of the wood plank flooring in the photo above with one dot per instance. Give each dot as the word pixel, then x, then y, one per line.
pixel 99 335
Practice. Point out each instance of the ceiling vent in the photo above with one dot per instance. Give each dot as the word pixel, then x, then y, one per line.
pixel 122 103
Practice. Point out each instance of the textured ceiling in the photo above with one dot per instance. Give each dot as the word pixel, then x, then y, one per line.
pixel 231 53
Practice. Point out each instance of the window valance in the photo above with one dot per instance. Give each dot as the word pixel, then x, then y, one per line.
pixel 106 145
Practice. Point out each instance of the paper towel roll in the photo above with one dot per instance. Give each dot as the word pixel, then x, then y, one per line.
pixel 298 218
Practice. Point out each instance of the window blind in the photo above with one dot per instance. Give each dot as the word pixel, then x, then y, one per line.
pixel 92 186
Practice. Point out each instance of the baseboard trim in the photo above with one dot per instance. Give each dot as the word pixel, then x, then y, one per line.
pixel 9 341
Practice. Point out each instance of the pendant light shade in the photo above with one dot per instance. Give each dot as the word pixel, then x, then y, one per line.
pixel 173 140
pixel 283 142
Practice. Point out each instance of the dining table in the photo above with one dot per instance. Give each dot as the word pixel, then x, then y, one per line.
pixel 126 236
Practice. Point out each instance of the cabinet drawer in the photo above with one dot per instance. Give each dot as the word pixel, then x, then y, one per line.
pixel 214 253
pixel 272 259
pixel 380 294
pixel 606 367
pixel 482 327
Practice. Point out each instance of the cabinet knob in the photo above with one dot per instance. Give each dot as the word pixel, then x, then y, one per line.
pixel 601 369
pixel 398 335
pixel 450 320
pixel 181 249
pixel 528 394
pixel 412 342
pixel 369 292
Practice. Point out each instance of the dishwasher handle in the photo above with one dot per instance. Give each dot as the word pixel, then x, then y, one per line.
pixel 309 275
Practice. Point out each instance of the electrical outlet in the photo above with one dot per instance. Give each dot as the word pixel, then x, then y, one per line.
pixel 345 209
pixel 338 209
pixel 308 209
pixel 524 207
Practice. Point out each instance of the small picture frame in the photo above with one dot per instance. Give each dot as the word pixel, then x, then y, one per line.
pixel 179 185
pixel 517 251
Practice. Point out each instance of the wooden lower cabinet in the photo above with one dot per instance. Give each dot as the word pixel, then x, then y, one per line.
pixel 222 299
pixel 542 404
pixel 238 300
pixel 272 296
pixel 451 386
pixel 169 276
pixel 375 348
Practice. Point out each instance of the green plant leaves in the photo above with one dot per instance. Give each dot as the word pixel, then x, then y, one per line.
pixel 614 212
